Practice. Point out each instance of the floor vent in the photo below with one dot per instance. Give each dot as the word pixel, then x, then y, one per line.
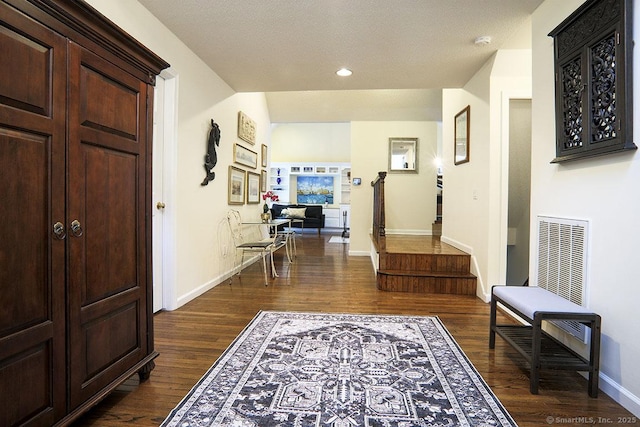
pixel 562 264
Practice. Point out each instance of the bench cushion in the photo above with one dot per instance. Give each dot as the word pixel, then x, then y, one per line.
pixel 529 299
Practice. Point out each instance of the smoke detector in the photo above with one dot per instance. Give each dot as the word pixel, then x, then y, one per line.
pixel 482 40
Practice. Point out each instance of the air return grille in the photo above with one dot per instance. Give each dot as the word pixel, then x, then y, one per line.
pixel 562 263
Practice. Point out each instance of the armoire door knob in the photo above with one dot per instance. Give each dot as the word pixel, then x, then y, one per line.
pixel 58 231
pixel 76 228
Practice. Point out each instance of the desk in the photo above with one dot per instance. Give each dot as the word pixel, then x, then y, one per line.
pixel 279 239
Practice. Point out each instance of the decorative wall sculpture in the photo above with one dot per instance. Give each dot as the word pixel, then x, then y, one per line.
pixel 211 158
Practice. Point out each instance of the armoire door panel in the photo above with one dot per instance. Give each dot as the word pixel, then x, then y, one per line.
pixel 32 260
pixel 31 367
pixel 29 59
pixel 114 329
pixel 107 296
pixel 117 111
pixel 24 253
pixel 110 180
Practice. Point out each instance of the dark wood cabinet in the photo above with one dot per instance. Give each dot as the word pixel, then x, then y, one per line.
pixel 593 70
pixel 76 98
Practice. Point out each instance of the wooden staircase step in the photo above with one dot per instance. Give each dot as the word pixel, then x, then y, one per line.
pixel 417 273
pixel 429 263
pixel 427 284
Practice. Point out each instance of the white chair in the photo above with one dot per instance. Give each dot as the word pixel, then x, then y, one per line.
pixel 263 246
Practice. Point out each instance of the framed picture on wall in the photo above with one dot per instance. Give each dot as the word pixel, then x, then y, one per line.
pixel 237 178
pixel 264 156
pixel 244 156
pixel 253 188
pixel 263 181
pixel 246 128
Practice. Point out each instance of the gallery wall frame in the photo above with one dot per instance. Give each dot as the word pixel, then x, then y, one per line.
pixel 462 129
pixel 246 128
pixel 253 188
pixel 264 156
pixel 243 156
pixel 237 178
pixel 263 181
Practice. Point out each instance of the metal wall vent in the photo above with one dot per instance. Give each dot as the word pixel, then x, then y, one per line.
pixel 562 264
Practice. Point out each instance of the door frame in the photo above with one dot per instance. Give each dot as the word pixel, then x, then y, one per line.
pixel 169 116
pixel 507 97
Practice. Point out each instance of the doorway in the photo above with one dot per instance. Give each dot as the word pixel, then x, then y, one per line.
pixel 519 191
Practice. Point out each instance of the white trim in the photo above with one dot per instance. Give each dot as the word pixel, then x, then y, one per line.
pixel 620 394
pixel 170 117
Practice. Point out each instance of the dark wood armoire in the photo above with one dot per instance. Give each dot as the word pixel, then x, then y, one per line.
pixel 76 105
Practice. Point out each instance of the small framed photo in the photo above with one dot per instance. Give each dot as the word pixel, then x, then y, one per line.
pixel 321 169
pixel 295 169
pixel 334 169
pixel 246 128
pixel 263 181
pixel 357 181
pixel 307 169
pixel 237 178
pixel 264 156
pixel 253 188
pixel 244 156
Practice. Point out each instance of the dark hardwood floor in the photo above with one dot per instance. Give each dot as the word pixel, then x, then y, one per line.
pixel 324 278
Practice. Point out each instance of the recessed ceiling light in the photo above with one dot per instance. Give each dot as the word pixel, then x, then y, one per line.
pixel 344 72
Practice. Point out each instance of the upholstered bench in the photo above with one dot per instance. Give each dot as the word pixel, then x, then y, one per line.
pixel 541 350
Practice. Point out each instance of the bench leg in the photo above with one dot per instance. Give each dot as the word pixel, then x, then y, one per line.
pixel 536 337
pixel 492 324
pixel 594 358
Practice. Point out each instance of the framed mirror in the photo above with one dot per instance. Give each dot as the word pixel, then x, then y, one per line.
pixel 403 155
pixel 461 147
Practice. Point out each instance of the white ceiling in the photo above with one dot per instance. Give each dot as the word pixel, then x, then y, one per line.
pixel 402 52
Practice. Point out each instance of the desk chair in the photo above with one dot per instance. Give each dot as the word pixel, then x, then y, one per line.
pixel 263 246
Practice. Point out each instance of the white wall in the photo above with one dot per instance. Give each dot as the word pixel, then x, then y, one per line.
pixel 410 198
pixel 474 201
pixel 311 142
pixel 604 191
pixel 200 258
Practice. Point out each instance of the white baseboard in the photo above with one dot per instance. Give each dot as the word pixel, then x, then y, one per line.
pixel 620 394
pixel 408 232
pixel 212 283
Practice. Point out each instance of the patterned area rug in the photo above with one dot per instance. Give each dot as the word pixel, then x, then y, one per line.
pixel 341 370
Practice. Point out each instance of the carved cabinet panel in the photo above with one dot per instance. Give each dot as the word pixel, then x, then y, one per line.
pixel 593 80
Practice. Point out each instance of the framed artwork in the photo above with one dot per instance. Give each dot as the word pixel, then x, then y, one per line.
pixel 253 188
pixel 315 190
pixel 246 128
pixel 263 181
pixel 236 185
pixel 321 169
pixel 307 169
pixel 461 142
pixel 295 169
pixel 264 156
pixel 244 156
